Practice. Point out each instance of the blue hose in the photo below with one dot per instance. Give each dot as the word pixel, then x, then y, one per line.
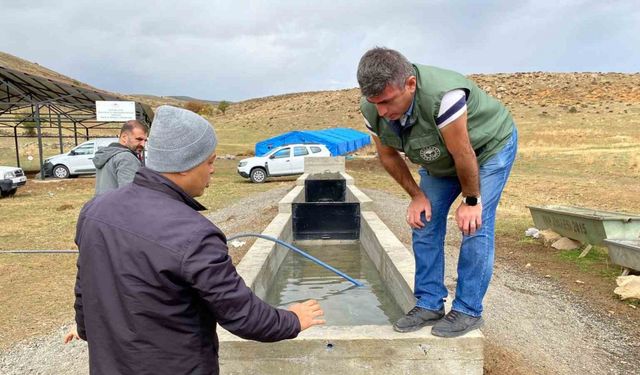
pixel 310 257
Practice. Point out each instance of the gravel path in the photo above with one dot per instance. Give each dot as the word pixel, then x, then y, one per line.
pixel 532 324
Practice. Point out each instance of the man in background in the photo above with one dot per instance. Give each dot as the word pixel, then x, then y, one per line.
pixel 154 275
pixel 117 163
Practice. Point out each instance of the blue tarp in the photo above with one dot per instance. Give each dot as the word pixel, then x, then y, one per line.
pixel 338 140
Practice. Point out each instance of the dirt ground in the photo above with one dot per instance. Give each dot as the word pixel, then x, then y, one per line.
pixel 587 286
pixel 594 283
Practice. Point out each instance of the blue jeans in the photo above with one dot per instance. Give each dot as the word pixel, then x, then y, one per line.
pixel 475 264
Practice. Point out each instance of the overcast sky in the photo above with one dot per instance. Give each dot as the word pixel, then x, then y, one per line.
pixel 235 50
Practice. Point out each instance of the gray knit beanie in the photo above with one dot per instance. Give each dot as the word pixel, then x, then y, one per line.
pixel 178 140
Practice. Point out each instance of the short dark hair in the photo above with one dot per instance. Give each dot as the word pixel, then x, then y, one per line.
pixel 380 67
pixel 128 127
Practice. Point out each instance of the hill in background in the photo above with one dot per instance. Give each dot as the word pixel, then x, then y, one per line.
pixel 527 94
pixel 535 95
pixel 16 63
pixel 191 99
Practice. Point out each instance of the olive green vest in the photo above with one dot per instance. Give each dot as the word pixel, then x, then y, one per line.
pixel 489 123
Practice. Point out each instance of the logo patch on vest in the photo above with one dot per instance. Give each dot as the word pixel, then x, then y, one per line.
pixel 430 153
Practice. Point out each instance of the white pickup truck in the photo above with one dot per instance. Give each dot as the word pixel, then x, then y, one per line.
pixel 10 179
pixel 281 161
pixel 76 162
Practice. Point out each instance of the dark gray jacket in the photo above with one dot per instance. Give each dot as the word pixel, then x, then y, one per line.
pixel 154 277
pixel 115 167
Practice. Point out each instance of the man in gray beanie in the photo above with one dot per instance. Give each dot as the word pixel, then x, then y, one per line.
pixel 152 285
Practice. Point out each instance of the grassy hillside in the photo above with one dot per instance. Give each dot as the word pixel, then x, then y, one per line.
pixel 16 63
pixel 568 98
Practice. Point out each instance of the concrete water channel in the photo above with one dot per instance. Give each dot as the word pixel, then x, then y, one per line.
pixel 327 215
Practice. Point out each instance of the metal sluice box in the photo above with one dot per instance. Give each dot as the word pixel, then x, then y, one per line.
pixel 625 253
pixel 586 225
pixel 325 190
pixel 326 220
pixel 326 213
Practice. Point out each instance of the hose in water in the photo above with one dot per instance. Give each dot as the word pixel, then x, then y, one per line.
pixel 295 249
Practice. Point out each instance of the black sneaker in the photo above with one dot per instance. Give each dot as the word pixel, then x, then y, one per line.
pixel 456 324
pixel 417 318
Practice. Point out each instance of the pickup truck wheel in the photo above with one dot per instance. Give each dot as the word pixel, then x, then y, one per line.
pixel 258 175
pixel 60 171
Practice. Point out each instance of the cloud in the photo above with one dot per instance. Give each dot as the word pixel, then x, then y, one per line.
pixel 238 50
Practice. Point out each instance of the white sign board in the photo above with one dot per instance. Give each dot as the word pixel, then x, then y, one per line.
pixel 115 111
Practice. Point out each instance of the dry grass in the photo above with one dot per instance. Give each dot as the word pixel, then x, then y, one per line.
pixel 46 212
pixel 592 162
pixel 37 295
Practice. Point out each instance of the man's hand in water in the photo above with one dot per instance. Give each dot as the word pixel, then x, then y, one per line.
pixel 307 312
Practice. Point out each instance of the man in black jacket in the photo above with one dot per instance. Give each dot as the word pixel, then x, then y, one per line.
pixel 154 276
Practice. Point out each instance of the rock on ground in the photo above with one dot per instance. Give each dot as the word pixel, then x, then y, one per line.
pixel 548 237
pixel 628 287
pixel 566 244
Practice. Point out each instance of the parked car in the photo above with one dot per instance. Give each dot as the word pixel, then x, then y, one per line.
pixel 10 179
pixel 281 161
pixel 76 162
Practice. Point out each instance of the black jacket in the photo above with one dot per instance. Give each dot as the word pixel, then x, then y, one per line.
pixel 154 277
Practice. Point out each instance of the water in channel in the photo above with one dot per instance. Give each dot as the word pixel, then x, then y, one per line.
pixel 344 304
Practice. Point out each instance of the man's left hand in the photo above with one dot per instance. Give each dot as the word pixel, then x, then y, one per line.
pixel 469 218
pixel 71 335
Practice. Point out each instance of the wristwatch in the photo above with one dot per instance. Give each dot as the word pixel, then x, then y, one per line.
pixel 471 200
